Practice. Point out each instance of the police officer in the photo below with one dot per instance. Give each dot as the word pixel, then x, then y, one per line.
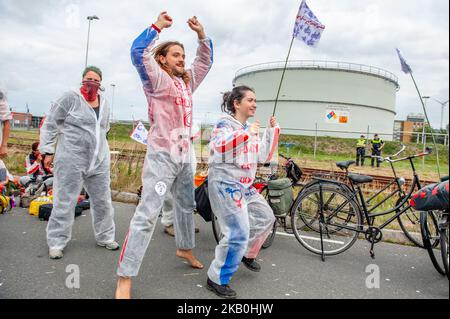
pixel 360 150
pixel 377 145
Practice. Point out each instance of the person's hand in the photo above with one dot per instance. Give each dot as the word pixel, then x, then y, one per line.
pixel 3 151
pixel 48 160
pixel 196 26
pixel 273 121
pixel 164 21
pixel 254 128
pixel 39 158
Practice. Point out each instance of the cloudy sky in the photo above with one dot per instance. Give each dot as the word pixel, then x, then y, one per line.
pixel 43 45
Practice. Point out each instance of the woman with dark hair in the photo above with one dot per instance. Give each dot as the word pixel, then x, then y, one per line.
pixel 244 216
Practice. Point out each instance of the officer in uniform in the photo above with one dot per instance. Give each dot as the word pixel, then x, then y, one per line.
pixel 377 145
pixel 360 150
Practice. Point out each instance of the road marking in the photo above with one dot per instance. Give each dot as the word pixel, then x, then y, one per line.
pixel 312 238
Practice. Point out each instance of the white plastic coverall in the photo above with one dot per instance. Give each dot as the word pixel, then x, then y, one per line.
pixel 244 216
pixel 167 163
pixel 5 113
pixel 82 158
pixel 167 210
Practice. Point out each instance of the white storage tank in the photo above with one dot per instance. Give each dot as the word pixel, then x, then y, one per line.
pixel 341 99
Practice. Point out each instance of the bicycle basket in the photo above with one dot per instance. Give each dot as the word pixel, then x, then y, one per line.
pixel 280 196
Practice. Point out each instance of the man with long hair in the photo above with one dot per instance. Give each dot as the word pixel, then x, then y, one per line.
pixel 168 87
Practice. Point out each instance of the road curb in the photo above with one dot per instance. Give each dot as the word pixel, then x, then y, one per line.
pixel 124 197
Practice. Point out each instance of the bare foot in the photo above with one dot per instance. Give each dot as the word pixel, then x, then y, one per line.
pixel 123 290
pixel 189 256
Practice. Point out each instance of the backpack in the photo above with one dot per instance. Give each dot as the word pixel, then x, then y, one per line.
pixel 46 210
pixel 202 202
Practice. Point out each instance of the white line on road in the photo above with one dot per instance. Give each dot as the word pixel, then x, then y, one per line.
pixel 312 238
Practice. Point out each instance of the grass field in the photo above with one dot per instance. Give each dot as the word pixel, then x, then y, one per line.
pixel 126 171
pixel 329 151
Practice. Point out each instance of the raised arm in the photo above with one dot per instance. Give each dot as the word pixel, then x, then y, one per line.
pixel 149 70
pixel 204 58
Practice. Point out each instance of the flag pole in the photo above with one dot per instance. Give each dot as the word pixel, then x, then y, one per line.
pixel 428 121
pixel 282 77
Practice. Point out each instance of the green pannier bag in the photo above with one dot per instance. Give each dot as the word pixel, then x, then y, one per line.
pixel 280 196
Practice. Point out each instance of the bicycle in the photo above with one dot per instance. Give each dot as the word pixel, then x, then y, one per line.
pixel 409 220
pixel 338 210
pixel 435 231
pixel 294 173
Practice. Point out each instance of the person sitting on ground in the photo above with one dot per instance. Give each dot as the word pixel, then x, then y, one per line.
pixel 36 172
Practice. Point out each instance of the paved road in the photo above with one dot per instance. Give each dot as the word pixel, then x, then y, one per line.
pixel 289 271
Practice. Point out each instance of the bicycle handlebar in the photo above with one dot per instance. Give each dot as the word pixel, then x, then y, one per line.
pixel 428 151
pixel 285 157
pixel 399 152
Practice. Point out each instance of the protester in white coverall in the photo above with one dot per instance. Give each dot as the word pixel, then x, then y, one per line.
pixel 5 118
pixel 244 216
pixel 168 88
pixel 77 125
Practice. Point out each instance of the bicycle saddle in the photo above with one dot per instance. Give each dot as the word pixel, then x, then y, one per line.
pixel 360 179
pixel 344 165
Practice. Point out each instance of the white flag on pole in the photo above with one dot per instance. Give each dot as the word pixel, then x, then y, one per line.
pixel 140 134
pixel 307 27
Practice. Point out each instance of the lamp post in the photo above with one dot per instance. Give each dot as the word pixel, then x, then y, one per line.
pixel 90 18
pixel 112 102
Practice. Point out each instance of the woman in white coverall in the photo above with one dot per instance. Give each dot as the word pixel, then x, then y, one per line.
pixel 74 136
pixel 244 216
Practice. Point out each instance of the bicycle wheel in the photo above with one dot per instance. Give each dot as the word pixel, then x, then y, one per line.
pixel 216 229
pixel 409 222
pixel 429 228
pixel 444 233
pixel 339 225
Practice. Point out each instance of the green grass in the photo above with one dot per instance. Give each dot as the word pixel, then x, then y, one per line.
pixel 329 151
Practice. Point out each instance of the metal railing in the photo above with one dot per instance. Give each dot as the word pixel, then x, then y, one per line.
pixel 319 64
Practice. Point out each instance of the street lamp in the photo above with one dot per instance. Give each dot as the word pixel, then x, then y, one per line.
pixel 112 102
pixel 90 18
pixel 442 111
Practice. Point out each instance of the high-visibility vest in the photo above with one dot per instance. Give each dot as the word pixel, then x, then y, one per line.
pixel 361 142
pixel 377 143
